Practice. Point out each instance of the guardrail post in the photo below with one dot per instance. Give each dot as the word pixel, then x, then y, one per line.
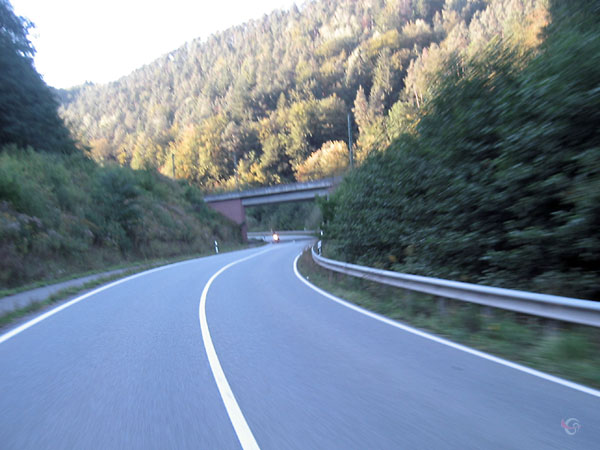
pixel 551 327
pixel 441 303
pixel 487 312
pixel 409 298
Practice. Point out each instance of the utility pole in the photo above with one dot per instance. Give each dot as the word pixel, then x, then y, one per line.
pixel 235 167
pixel 350 143
pixel 173 163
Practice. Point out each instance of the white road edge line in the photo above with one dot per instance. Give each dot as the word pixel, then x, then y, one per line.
pixel 5 337
pixel 242 430
pixel 472 351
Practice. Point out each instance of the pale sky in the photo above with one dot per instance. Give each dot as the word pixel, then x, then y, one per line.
pixel 103 40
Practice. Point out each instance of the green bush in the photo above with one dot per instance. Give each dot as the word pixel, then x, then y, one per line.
pixel 19 183
pixel 64 213
pixel 501 184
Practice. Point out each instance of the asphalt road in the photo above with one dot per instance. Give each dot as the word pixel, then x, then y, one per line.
pixel 128 368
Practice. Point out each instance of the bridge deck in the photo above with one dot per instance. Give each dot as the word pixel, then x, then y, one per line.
pixel 279 193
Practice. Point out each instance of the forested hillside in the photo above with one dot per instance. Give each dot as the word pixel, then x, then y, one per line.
pixel 62 213
pixel 267 101
pixel 499 182
pixel 475 124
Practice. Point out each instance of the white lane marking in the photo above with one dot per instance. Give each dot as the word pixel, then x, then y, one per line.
pixel 58 309
pixel 242 430
pixel 38 319
pixel 504 362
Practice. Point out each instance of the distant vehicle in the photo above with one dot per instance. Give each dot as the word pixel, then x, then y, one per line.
pixel 276 238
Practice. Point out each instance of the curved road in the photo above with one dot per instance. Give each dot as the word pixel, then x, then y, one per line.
pixel 208 355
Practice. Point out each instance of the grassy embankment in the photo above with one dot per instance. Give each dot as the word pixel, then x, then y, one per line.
pixel 566 350
pixel 62 215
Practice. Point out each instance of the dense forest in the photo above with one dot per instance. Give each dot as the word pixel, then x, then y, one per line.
pixel 498 182
pixel 61 212
pixel 267 101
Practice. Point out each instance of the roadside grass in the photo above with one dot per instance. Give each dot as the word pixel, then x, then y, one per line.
pixel 133 268
pixel 8 318
pixel 123 265
pixel 566 350
pixel 71 276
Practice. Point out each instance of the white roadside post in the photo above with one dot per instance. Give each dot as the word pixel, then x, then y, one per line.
pixel 216 247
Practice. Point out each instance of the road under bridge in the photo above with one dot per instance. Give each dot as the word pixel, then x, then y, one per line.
pixel 233 204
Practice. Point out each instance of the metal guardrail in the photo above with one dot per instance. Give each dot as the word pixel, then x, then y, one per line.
pixel 585 312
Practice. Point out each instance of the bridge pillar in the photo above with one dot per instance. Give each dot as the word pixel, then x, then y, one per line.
pixel 234 210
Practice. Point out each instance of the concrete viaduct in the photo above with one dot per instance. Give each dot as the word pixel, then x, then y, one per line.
pixel 232 204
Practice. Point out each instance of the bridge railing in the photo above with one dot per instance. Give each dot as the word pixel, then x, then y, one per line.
pixel 264 191
pixel 566 309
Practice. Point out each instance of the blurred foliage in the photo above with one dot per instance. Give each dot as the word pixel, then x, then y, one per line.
pixel 64 213
pixel 499 182
pixel 28 108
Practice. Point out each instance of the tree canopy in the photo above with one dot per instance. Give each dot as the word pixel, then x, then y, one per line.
pixel 28 107
pixel 251 104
